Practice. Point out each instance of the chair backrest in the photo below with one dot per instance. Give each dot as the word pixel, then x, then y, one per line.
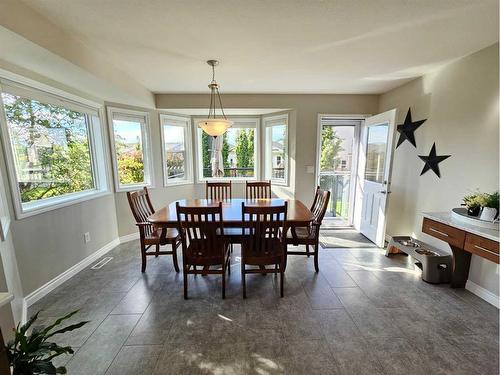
pixel 265 227
pixel 218 191
pixel 203 229
pixel 141 207
pixel 258 189
pixel 320 204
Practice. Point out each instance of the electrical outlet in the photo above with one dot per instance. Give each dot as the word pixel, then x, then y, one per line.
pixel 86 237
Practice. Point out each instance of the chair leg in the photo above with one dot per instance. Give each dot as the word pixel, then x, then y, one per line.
pixel 307 251
pixel 185 283
pixel 174 257
pixel 243 280
pixel 143 257
pixel 224 282
pixel 316 253
pixel 157 250
pixel 282 274
pixel 229 265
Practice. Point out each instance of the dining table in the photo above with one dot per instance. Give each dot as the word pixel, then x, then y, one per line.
pixel 298 214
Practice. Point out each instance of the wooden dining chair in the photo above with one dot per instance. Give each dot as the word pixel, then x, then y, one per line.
pixel 218 191
pixel 258 189
pixel 309 236
pixel 203 243
pixel 265 243
pixel 141 207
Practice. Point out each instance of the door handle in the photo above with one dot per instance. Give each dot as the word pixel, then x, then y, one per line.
pixel 384 192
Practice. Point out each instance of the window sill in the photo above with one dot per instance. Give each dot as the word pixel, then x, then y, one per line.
pixel 234 180
pixel 60 202
pixel 179 183
pixel 123 189
pixel 279 183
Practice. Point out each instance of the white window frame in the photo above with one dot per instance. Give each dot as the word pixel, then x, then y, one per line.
pixel 185 123
pixel 268 123
pixel 29 89
pixel 143 118
pixel 237 124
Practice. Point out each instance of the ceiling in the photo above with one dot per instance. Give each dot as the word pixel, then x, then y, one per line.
pixel 280 46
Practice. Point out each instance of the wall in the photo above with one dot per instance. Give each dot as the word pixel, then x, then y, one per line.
pixel 460 102
pixel 303 127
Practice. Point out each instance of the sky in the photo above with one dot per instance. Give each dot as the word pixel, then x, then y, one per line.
pixel 129 130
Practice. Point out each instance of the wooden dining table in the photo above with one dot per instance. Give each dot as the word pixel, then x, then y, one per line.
pixel 298 214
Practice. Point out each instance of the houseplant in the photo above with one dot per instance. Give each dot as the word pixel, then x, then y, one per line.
pixel 32 353
pixel 473 204
pixel 490 205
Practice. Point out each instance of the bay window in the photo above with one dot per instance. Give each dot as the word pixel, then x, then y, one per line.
pixel 176 149
pixel 276 149
pixel 131 153
pixel 233 155
pixel 53 146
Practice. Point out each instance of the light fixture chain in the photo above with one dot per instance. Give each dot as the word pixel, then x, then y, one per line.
pixel 220 104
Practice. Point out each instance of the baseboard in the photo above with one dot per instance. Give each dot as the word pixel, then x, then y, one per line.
pixel 45 289
pixel 129 237
pixel 483 293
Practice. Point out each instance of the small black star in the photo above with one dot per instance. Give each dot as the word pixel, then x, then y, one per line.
pixel 432 161
pixel 407 129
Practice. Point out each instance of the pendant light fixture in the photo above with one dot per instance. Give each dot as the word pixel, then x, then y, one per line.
pixel 213 125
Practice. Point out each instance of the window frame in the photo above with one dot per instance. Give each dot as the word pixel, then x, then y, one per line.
pixel 183 122
pixel 96 134
pixel 268 123
pixel 144 120
pixel 255 120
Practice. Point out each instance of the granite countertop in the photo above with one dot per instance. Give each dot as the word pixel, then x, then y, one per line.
pixel 447 218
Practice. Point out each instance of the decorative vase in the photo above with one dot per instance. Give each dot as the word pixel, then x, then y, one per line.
pixel 473 211
pixel 488 213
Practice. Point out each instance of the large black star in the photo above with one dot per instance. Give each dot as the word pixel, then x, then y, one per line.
pixel 432 161
pixel 407 129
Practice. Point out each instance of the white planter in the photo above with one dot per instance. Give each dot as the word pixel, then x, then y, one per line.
pixel 488 214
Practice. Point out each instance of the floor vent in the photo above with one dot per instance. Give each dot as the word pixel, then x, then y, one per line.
pixel 101 263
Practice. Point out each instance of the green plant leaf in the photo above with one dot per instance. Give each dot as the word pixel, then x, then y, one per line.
pixel 67 329
pixel 59 321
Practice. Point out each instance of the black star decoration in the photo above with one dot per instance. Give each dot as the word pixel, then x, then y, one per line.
pixel 407 129
pixel 432 161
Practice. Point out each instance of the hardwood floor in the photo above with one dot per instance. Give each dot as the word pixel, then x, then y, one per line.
pixel 362 314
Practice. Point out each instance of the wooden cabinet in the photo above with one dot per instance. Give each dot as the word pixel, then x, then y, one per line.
pixel 482 247
pixel 463 244
pixel 453 236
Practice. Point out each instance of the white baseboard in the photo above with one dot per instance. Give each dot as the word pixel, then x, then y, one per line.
pixel 45 289
pixel 483 293
pixel 129 237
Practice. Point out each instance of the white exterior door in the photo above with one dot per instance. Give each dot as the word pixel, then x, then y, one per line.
pixel 374 174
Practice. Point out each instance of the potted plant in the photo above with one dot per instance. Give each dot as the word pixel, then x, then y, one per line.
pixel 490 205
pixel 32 353
pixel 473 204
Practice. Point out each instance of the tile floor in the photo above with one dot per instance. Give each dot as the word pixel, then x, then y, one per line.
pixel 362 314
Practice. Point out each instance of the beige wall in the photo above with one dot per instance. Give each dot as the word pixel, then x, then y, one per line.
pixel 306 109
pixel 460 103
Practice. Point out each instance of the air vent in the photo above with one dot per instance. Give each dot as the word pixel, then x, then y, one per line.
pixel 101 263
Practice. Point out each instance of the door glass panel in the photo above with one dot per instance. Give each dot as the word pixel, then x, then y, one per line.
pixel 336 159
pixel 376 152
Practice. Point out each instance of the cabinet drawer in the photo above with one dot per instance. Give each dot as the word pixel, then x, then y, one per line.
pixel 483 247
pixel 453 236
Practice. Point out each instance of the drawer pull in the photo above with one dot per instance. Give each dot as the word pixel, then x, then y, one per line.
pixel 485 249
pixel 439 232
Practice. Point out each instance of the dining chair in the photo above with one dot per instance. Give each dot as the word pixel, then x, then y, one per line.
pixel 258 189
pixel 265 243
pixel 142 208
pixel 309 236
pixel 218 191
pixel 203 243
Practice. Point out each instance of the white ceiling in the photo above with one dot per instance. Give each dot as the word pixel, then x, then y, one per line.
pixel 280 46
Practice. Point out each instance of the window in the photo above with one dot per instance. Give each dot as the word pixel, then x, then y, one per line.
pixel 132 160
pixel 234 155
pixel 176 143
pixel 276 149
pixel 54 149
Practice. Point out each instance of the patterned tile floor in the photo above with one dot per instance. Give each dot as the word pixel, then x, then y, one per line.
pixel 363 313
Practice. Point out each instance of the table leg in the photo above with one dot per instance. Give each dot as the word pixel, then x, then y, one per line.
pixel 460 267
